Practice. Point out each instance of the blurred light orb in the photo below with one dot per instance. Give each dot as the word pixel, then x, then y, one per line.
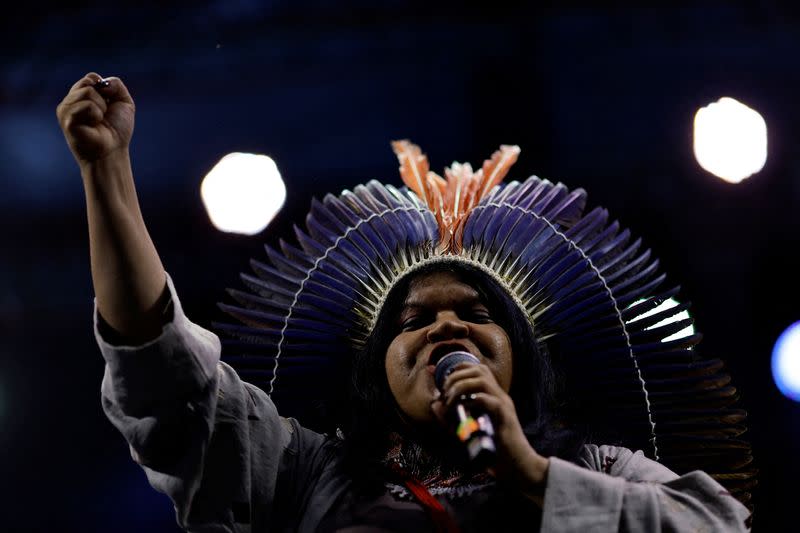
pixel 668 304
pixel 243 193
pixel 730 140
pixel 786 362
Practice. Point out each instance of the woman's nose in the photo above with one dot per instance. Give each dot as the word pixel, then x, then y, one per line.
pixel 447 326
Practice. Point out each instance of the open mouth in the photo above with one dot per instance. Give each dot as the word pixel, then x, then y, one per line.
pixel 442 350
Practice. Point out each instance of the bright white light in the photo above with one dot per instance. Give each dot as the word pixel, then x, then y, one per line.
pixel 786 362
pixel 243 193
pixel 730 140
pixel 668 304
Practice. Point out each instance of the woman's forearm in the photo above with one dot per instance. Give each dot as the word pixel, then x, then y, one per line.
pixel 127 273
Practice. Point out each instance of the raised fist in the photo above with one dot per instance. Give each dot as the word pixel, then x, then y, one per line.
pixel 96 117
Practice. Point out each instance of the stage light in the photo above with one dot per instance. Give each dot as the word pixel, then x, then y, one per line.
pixel 730 140
pixel 682 315
pixel 243 193
pixel 786 362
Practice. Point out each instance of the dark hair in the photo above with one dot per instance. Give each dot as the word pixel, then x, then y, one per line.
pixel 372 412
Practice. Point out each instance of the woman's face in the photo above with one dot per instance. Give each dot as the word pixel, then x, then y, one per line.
pixel 441 314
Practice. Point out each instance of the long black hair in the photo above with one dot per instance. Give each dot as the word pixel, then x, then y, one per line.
pixel 371 414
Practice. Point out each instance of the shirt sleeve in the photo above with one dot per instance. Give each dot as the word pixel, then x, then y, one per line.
pixel 213 443
pixel 615 489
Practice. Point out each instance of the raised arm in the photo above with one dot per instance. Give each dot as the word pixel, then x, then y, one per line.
pixel 129 282
pixel 214 444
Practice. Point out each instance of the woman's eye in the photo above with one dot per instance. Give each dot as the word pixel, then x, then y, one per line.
pixel 411 324
pixel 481 316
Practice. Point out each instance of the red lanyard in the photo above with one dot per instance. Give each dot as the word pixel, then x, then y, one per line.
pixel 441 518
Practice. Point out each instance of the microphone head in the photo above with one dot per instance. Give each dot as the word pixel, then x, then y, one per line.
pixel 448 363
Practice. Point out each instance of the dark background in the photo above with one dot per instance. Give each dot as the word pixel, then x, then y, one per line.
pixel 602 98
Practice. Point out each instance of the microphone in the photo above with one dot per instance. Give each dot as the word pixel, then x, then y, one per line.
pixel 475 430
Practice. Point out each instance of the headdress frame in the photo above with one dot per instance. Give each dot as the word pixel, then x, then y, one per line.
pixel 587 289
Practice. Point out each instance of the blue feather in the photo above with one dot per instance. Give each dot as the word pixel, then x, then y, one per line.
pixel 622 285
pixel 283 264
pixel 597 240
pixel 649 304
pixel 607 265
pixel 624 300
pixel 267 289
pixel 341 210
pixel 327 217
pixel 534 193
pixel 553 197
pixel 608 247
pixel 569 210
pixel 631 267
pixel 256 302
pixel 589 225
pixel 278 277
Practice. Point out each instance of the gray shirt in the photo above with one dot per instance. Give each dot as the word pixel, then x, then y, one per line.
pixel 218 448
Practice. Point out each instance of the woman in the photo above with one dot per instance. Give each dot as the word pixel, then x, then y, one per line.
pixel 383 285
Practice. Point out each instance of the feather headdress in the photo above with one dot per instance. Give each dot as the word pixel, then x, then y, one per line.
pixel 588 288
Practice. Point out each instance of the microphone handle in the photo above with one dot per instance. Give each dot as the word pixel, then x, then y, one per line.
pixel 477 434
